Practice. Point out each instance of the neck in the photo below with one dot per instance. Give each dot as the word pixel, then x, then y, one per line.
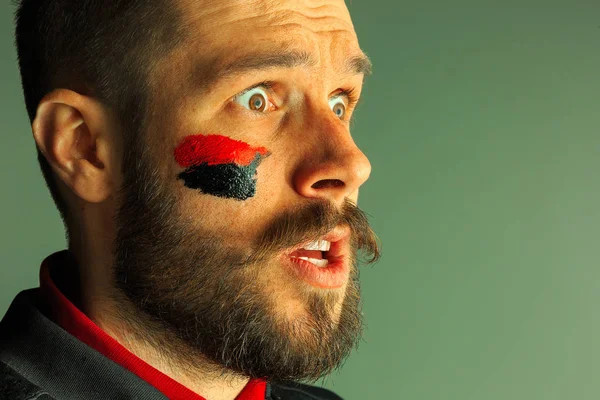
pixel 202 377
pixel 115 316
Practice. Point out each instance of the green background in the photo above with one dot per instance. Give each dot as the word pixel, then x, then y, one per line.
pixel 482 127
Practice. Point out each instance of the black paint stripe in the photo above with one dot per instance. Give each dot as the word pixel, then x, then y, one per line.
pixel 230 181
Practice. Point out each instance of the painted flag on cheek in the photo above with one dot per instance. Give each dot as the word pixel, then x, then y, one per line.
pixel 219 166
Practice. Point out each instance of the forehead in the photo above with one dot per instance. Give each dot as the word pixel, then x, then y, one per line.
pixel 223 30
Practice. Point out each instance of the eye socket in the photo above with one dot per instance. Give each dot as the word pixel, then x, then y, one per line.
pixel 338 106
pixel 255 99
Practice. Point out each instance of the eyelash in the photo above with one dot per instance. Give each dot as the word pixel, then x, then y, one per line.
pixel 350 94
pixel 268 85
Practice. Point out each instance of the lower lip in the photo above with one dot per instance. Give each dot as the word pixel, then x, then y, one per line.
pixel 333 276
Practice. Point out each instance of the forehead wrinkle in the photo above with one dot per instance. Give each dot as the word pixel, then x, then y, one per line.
pixel 297 22
pixel 294 19
pixel 223 12
pixel 209 15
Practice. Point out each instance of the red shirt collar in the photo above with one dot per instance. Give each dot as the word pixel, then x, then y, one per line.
pixel 74 321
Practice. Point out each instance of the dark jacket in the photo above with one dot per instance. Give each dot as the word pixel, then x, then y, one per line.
pixel 39 360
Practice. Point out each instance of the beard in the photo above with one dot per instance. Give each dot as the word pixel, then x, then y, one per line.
pixel 200 300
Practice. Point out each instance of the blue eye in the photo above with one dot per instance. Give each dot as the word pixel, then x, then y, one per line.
pixel 338 106
pixel 255 99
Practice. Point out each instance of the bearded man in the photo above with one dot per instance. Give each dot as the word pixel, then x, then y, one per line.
pixel 199 153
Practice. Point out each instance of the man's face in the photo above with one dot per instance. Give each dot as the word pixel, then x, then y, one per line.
pixel 237 228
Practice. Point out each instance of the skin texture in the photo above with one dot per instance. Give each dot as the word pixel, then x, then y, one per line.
pixel 313 160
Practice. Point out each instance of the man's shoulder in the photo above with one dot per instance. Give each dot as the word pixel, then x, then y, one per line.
pixel 14 386
pixel 25 335
pixel 299 391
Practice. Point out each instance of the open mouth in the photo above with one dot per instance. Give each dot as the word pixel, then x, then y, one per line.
pixel 314 252
pixel 323 262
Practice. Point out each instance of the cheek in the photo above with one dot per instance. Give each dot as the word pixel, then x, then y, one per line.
pixel 219 166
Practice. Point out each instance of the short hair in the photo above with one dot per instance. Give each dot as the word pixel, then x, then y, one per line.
pixel 99 48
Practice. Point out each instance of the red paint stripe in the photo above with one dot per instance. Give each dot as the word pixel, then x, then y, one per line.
pixel 215 149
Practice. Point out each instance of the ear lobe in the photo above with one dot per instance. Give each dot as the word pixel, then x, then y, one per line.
pixel 72 132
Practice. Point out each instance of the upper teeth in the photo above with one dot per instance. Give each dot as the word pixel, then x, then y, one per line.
pixel 322 245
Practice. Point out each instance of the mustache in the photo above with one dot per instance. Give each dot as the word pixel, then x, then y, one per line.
pixel 313 221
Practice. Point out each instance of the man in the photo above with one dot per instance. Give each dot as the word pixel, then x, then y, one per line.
pixel 199 153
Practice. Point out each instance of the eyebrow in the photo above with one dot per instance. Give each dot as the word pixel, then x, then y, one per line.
pixel 359 64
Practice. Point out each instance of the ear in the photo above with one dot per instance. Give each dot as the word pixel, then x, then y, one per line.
pixel 76 134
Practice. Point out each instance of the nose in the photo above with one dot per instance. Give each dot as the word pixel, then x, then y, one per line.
pixel 333 167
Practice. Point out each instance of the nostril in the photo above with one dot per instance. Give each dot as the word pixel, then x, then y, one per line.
pixel 328 184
